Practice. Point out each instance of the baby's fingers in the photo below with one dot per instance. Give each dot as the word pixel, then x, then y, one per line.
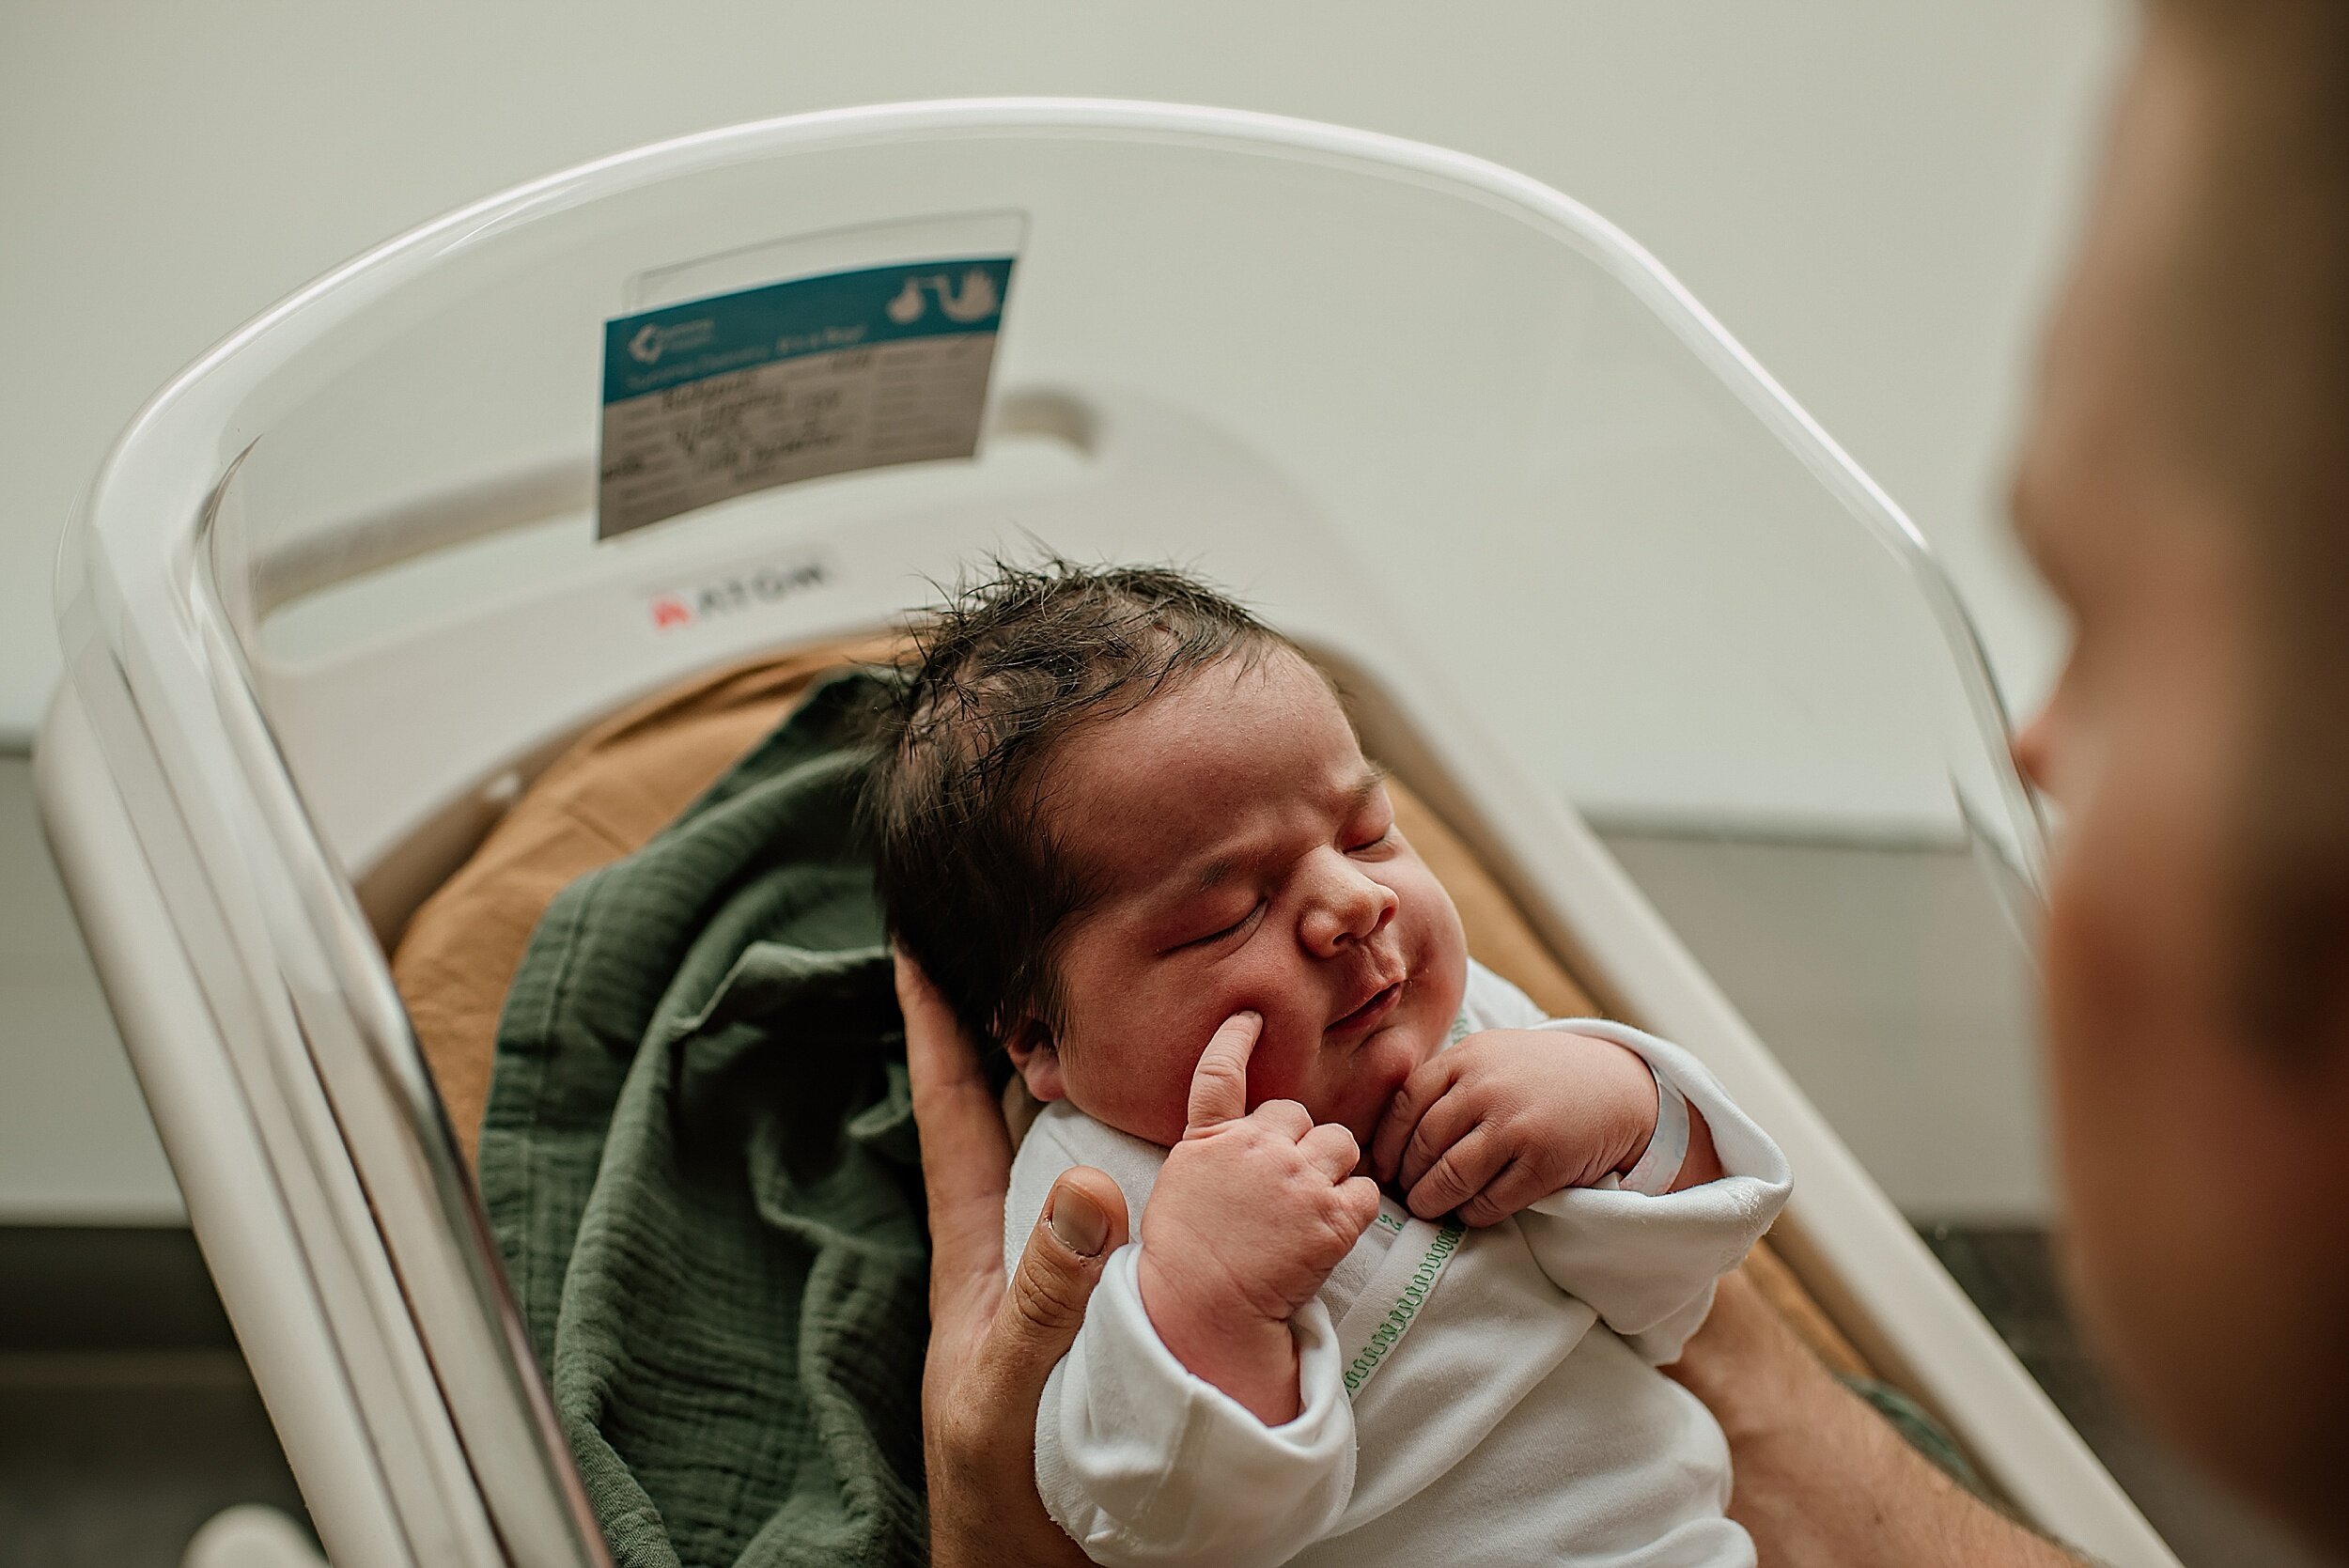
pixel 1358 1199
pixel 1520 1183
pixel 1218 1085
pixel 1424 1088
pixel 1330 1150
pixel 1447 1122
pixel 1464 1170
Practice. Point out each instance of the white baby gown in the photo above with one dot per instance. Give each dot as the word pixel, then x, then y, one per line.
pixel 1481 1397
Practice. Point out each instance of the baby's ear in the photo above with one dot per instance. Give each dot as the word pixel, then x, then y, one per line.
pixel 1029 1045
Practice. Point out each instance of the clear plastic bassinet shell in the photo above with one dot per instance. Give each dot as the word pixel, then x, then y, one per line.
pixel 338 593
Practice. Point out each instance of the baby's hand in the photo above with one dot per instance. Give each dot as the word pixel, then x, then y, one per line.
pixel 1252 1211
pixel 1507 1117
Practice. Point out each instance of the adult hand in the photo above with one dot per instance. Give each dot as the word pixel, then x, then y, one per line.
pixel 1252 1211
pixel 992 1346
pixel 1821 1479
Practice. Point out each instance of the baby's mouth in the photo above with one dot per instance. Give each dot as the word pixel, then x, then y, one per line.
pixel 1372 1012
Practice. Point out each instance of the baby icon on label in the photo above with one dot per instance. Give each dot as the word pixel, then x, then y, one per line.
pixel 975 300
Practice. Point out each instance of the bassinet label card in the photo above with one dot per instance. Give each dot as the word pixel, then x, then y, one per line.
pixel 716 398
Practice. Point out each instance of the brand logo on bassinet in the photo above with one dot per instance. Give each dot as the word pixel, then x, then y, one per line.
pixel 758 587
pixel 651 341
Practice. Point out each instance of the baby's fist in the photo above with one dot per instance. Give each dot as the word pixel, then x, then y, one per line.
pixel 1250 1214
pixel 1255 1213
pixel 1509 1116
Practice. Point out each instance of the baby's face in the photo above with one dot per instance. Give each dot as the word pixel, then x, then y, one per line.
pixel 1247 857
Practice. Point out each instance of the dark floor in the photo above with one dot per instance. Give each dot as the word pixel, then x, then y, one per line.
pixel 127 1419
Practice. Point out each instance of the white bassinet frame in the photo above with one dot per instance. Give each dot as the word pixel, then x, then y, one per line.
pixel 236 855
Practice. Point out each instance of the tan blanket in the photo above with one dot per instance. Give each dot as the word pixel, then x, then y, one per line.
pixel 618 784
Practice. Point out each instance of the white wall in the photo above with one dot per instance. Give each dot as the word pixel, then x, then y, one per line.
pixel 1874 198
pixel 76 1147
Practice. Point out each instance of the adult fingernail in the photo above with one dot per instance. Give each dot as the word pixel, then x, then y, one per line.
pixel 1080 1223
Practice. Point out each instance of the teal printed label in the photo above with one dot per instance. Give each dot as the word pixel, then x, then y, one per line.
pixel 716 398
pixel 1403 1308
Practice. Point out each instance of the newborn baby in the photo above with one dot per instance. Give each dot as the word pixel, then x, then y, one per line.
pixel 1129 833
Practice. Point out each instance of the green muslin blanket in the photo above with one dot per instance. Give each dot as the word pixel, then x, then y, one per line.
pixel 698 1158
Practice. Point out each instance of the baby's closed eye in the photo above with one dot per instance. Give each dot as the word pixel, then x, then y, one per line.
pixel 1234 928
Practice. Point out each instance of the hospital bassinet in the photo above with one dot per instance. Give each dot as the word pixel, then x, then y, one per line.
pixel 338 593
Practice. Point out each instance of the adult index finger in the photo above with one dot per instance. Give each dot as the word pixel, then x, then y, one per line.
pixel 1218 1085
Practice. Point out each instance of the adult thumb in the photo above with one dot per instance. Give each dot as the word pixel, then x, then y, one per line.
pixel 1083 1222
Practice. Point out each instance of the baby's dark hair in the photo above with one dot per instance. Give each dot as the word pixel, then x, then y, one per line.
pixel 998 678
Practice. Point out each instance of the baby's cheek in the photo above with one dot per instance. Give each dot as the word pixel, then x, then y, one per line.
pixel 1281 1067
pixel 1137 1086
pixel 1446 963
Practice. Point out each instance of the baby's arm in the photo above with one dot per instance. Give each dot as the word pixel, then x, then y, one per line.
pixel 1546 1122
pixel 1647 1264
pixel 1200 1416
pixel 1252 1211
pixel 1141 1461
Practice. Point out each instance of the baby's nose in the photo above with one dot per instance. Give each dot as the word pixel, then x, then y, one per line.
pixel 1352 910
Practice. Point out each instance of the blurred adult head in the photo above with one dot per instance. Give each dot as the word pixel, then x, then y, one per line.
pixel 2185 487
